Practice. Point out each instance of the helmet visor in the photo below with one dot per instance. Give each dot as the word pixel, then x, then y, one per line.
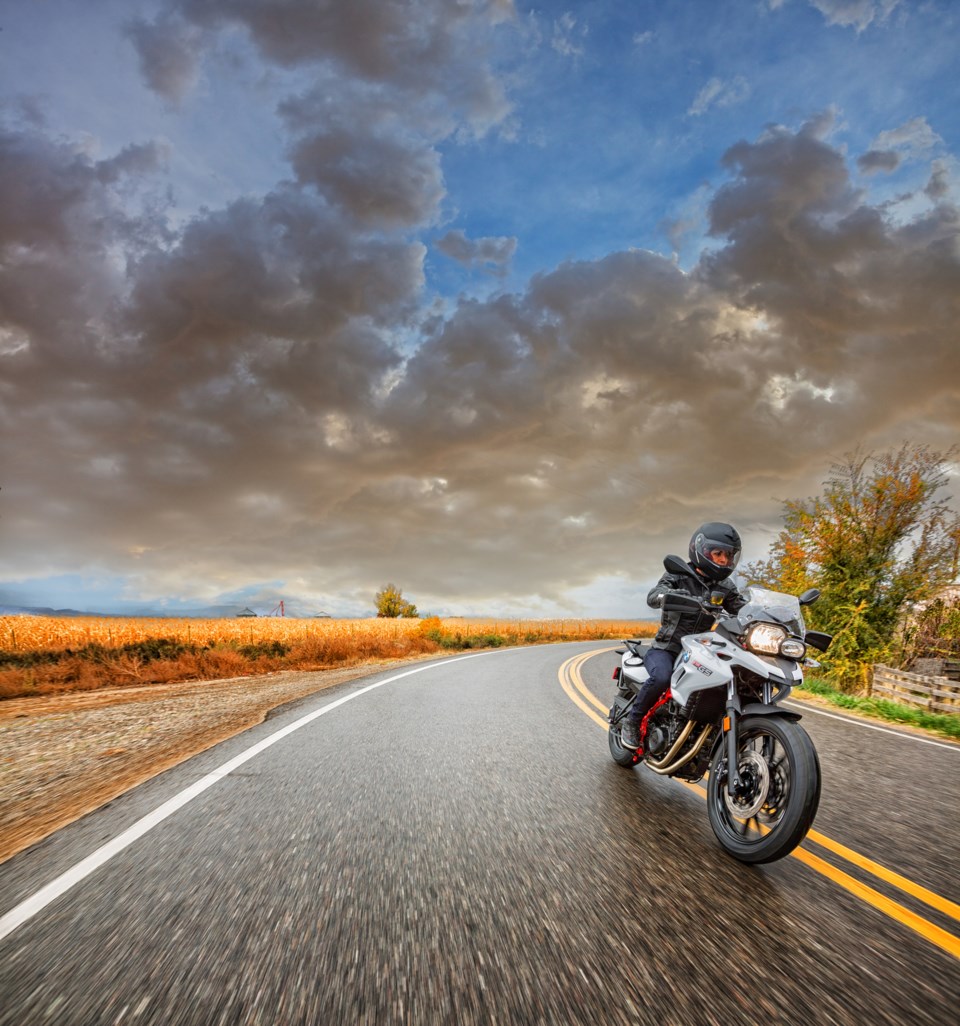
pixel 720 554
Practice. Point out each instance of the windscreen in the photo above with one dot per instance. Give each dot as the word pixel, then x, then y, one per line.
pixel 772 606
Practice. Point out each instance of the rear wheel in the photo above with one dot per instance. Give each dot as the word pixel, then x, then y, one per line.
pixel 780 790
pixel 621 756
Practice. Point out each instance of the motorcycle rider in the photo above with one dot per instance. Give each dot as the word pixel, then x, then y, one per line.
pixel 713 556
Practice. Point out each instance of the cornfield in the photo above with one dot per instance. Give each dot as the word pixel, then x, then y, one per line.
pixel 53 634
pixel 42 655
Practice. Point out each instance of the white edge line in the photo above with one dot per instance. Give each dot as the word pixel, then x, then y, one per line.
pixel 29 907
pixel 872 726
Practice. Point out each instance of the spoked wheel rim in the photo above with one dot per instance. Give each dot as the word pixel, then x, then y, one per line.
pixel 766 776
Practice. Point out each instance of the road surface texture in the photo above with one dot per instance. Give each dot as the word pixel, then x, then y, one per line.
pixel 455 845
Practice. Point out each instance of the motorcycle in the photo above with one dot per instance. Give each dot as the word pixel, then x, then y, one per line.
pixel 722 716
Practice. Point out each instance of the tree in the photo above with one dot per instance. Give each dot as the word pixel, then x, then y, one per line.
pixel 390 602
pixel 878 540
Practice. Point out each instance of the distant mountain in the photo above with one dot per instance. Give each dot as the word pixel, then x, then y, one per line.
pixel 45 611
pixel 222 612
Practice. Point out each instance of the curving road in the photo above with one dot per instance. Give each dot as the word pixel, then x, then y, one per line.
pixel 453 844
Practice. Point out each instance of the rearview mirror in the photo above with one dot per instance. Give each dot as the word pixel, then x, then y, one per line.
pixel 818 640
pixel 809 596
pixel 675 565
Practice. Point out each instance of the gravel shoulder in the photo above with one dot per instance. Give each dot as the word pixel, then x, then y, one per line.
pixel 64 756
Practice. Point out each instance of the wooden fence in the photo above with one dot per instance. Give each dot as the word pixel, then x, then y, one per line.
pixel 936 694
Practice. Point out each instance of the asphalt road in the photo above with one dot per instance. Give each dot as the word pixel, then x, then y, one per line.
pixel 457 846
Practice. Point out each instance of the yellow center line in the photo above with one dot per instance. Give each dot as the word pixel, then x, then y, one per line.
pixel 577 680
pixel 567 685
pixel 575 687
pixel 906 885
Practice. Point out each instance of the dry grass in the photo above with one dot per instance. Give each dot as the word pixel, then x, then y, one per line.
pixel 50 655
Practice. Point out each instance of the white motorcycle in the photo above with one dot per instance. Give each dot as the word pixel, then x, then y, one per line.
pixel 722 714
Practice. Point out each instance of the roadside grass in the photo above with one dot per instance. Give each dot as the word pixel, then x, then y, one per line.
pixel 945 724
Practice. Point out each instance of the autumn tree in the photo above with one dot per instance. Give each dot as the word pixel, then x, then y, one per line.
pixel 880 538
pixel 390 602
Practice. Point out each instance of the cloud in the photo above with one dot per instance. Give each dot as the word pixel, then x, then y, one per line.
pixel 938 187
pixel 238 402
pixel 856 13
pixel 912 140
pixel 878 160
pixel 568 36
pixel 265 392
pixel 913 137
pixel 169 50
pixel 720 93
pixel 382 181
pixel 439 48
pixel 489 251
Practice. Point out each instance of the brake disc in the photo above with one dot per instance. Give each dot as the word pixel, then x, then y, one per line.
pixel 754 786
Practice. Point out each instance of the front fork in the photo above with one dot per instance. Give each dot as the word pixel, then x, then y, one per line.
pixel 730 722
pixel 731 732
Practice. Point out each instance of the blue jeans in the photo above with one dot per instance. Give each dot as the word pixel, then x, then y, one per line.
pixel 658 662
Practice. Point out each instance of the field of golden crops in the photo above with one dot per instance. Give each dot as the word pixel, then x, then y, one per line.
pixel 51 634
pixel 42 655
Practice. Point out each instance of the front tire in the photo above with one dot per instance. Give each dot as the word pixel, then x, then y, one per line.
pixel 780 772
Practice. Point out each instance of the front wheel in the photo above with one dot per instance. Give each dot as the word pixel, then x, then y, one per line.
pixel 780 790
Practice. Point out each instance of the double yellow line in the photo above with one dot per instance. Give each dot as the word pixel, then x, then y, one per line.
pixel 572 683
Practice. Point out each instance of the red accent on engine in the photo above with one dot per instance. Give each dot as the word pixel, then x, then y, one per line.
pixel 644 723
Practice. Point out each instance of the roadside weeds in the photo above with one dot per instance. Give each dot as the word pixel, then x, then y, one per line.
pixel 942 725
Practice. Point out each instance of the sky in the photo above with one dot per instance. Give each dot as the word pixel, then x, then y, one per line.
pixel 497 301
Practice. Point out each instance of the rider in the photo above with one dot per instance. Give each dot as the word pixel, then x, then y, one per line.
pixel 714 554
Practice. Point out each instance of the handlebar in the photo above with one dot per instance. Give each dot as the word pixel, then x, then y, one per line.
pixel 680 601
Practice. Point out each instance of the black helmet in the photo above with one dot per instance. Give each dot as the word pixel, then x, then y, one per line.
pixel 707 541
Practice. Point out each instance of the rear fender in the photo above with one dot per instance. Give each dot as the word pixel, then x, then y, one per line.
pixel 619 708
pixel 633 674
pixel 634 678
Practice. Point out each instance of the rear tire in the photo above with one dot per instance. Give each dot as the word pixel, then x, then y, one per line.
pixel 621 756
pixel 781 773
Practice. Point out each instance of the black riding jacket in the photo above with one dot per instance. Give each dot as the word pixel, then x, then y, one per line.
pixel 676 625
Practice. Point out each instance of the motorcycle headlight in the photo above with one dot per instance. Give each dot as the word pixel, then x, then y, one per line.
pixel 765 638
pixel 793 649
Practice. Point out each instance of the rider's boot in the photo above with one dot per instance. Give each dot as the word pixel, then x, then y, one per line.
pixel 629 733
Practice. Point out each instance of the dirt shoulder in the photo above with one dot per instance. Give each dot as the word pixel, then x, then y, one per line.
pixel 66 755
